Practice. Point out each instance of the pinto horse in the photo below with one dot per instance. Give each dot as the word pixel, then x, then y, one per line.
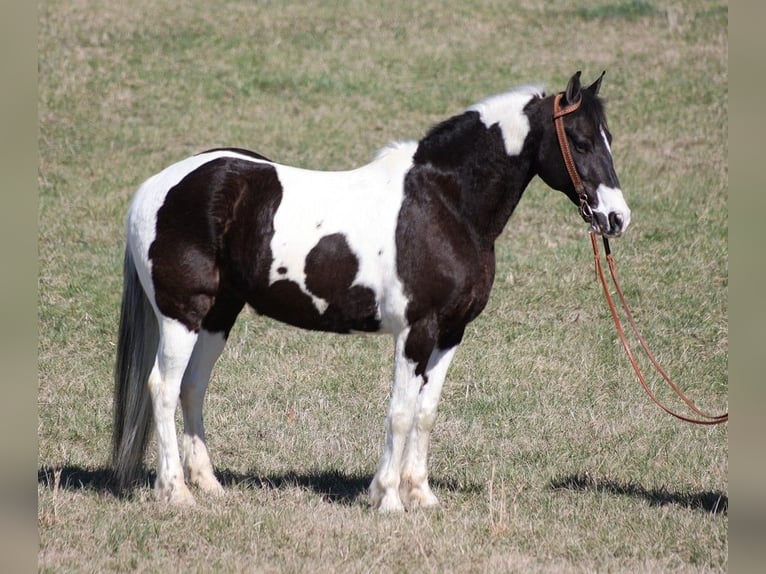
pixel 403 245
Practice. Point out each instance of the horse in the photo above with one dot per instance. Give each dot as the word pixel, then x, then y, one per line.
pixel 403 245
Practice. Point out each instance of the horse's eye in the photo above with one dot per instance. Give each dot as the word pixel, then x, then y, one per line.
pixel 582 147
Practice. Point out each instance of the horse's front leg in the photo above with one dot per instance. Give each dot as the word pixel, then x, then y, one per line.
pixel 384 490
pixel 414 489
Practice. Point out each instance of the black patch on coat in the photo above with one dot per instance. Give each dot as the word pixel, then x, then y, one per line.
pixel 219 214
pixel 458 196
pixel 331 268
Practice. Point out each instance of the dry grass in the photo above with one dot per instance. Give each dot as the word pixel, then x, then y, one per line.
pixel 547 456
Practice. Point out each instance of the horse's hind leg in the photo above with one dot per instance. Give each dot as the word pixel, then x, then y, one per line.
pixel 198 468
pixel 173 354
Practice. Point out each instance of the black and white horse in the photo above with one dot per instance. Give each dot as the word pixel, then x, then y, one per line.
pixel 403 245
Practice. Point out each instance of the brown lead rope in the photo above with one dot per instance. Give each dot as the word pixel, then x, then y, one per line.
pixel 706 418
pixel 587 214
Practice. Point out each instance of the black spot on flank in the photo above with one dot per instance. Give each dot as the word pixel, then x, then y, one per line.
pixel 331 268
pixel 334 303
pixel 380 252
pixel 319 224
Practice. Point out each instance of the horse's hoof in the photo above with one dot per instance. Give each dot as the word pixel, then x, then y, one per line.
pixel 208 484
pixel 391 503
pixel 212 488
pixel 177 495
pixel 419 498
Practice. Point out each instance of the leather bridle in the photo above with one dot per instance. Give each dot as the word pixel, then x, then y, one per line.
pixel 558 121
pixel 587 215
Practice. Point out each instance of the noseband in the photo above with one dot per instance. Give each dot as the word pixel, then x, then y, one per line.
pixel 558 120
pixel 587 214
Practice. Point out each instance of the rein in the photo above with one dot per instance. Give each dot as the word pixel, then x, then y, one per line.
pixel 587 214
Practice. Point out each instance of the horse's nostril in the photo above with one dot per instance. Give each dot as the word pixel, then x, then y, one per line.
pixel 615 220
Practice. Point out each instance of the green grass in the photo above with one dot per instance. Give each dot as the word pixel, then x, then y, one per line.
pixel 547 456
pixel 631 10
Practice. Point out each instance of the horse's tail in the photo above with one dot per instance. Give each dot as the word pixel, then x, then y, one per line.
pixel 136 350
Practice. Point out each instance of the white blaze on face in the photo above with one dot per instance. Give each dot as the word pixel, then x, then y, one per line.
pixel 610 199
pixel 606 140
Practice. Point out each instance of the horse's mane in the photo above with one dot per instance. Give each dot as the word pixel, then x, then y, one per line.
pixel 508 98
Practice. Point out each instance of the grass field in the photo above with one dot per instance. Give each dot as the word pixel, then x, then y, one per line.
pixel 547 456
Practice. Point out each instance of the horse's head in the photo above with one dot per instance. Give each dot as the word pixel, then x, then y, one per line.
pixel 588 138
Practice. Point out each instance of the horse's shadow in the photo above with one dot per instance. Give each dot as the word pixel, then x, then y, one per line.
pixel 713 502
pixel 347 489
pixel 332 485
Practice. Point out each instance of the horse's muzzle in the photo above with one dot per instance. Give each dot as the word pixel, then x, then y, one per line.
pixel 613 224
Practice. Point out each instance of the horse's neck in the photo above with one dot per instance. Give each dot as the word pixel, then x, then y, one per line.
pixel 486 184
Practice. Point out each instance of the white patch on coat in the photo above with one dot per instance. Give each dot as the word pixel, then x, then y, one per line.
pixel 507 110
pixel 361 204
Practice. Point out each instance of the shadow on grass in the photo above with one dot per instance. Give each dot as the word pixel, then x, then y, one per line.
pixel 712 502
pixel 332 485
pixel 76 478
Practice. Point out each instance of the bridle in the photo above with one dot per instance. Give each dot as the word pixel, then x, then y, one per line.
pixel 587 214
pixel 558 121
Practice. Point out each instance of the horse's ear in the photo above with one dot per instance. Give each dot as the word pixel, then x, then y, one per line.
pixel 596 86
pixel 572 93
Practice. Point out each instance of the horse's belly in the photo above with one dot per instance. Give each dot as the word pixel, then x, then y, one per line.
pixel 353 309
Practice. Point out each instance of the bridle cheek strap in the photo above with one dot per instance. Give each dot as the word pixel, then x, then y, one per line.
pixel 558 121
